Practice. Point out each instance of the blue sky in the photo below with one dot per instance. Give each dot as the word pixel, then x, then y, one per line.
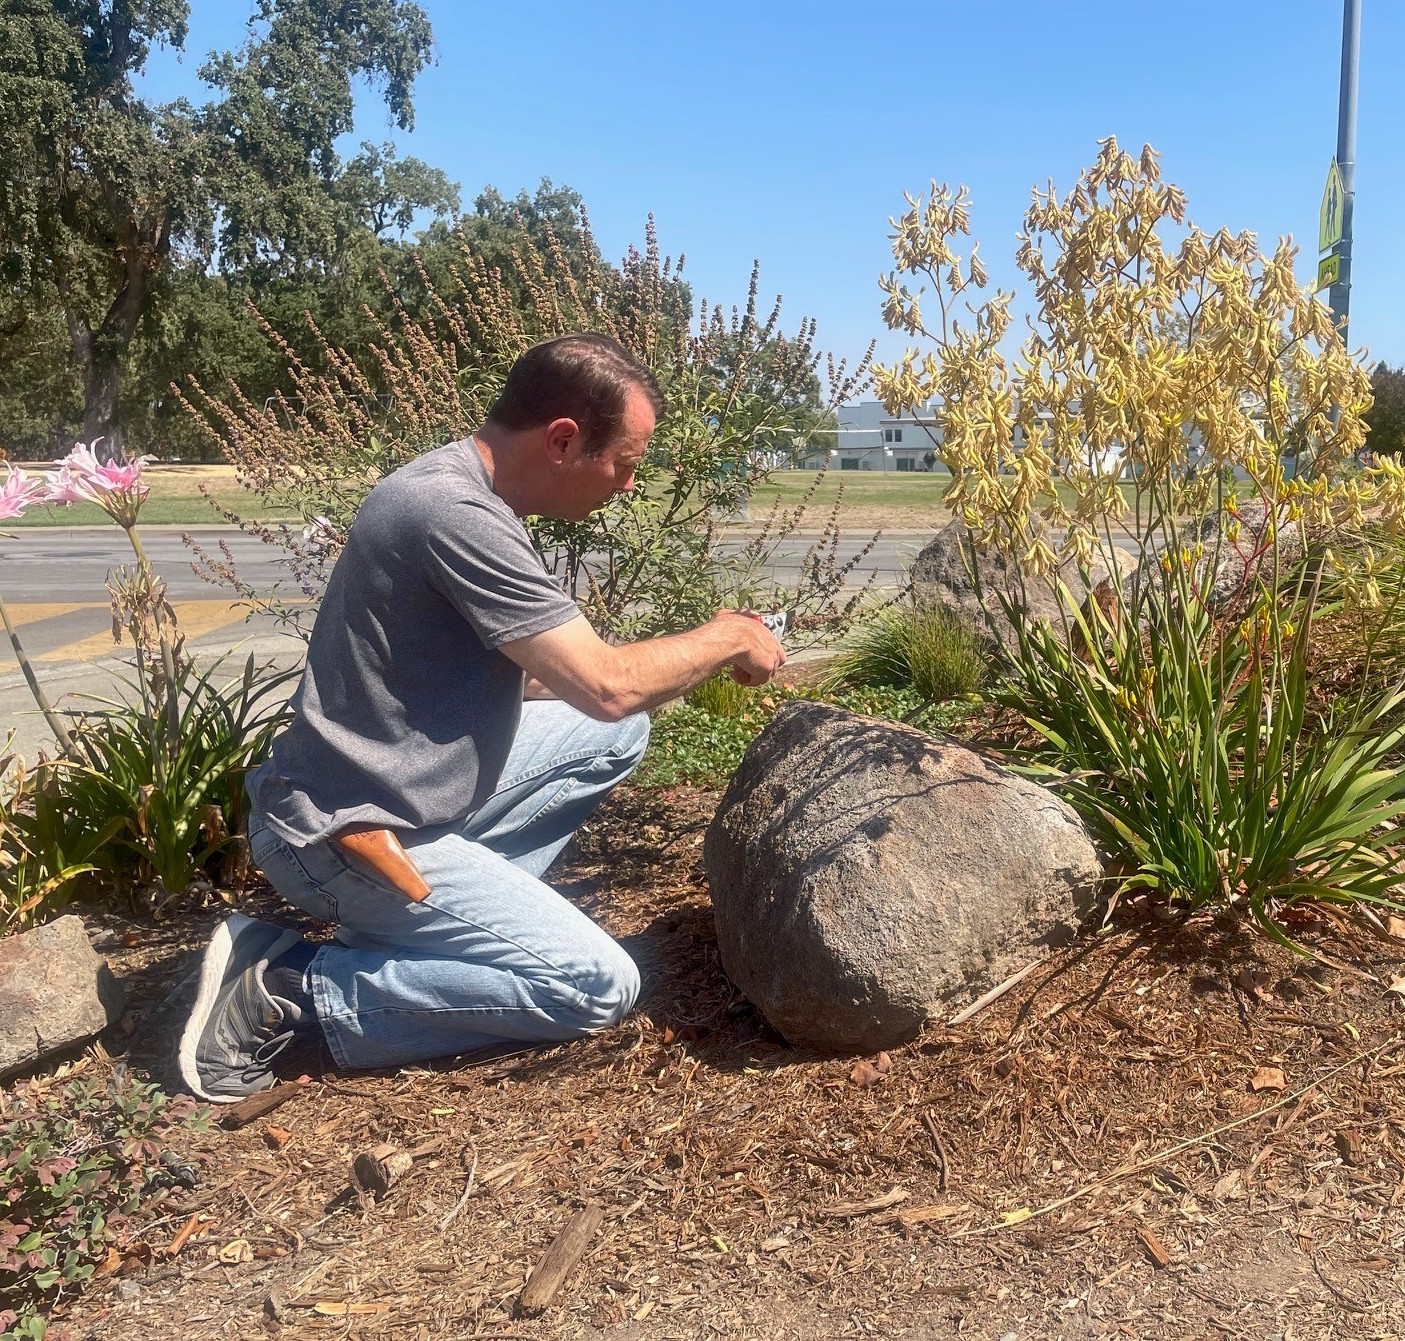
pixel 788 132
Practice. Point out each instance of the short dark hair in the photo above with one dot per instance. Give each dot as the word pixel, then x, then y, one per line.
pixel 584 377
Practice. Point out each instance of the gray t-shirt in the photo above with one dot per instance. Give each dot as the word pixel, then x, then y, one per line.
pixel 407 710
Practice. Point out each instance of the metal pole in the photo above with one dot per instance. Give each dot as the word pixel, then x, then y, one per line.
pixel 1339 295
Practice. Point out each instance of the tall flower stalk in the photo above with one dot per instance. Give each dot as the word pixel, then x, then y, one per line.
pixel 19 492
pixel 138 597
pixel 1181 394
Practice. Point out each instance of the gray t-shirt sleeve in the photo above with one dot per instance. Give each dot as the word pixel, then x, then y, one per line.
pixel 484 565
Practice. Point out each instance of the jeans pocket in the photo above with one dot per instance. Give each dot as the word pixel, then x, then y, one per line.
pixel 285 869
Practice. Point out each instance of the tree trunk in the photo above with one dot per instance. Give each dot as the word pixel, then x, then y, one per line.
pixel 102 380
pixel 100 352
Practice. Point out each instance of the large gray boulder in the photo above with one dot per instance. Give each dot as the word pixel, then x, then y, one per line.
pixel 55 992
pixel 952 574
pixel 865 874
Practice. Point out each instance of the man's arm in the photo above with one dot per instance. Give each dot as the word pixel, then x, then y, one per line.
pixel 608 683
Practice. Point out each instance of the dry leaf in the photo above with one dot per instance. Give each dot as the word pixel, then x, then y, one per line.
pixel 112 1262
pixel 1268 1078
pixel 1230 1186
pixel 336 1308
pixel 237 1250
pixel 277 1137
pixel 865 1074
pixel 1395 924
pixel 883 1063
pixel 775 1245
pixel 1397 986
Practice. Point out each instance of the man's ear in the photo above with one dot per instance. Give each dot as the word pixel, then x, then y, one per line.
pixel 561 436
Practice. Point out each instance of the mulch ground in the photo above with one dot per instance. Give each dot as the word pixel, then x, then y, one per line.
pixel 1166 1131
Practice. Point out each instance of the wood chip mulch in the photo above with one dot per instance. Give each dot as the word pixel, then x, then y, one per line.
pixel 1165 1131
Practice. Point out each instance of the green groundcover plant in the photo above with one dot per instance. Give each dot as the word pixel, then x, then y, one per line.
pixel 79 1152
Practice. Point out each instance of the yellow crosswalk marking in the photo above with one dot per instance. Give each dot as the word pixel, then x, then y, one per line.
pixel 33 611
pixel 192 618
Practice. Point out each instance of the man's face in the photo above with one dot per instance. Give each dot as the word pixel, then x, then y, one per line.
pixel 586 481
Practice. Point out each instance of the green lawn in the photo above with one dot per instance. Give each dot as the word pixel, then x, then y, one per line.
pixel 897 488
pixel 869 497
pixel 866 488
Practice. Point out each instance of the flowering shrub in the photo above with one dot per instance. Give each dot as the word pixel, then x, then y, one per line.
pixel 1178 392
pixel 740 392
pixel 149 788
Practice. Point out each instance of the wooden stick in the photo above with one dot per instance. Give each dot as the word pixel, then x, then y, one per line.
pixel 463 1200
pixel 943 1159
pixel 995 993
pixel 378 1169
pixel 557 1262
pixel 258 1105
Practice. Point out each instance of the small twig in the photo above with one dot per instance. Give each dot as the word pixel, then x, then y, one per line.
pixel 463 1200
pixel 943 1159
pixel 1023 1217
pixel 1346 1300
pixel 995 993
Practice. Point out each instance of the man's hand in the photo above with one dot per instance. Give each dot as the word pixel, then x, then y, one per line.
pixel 763 656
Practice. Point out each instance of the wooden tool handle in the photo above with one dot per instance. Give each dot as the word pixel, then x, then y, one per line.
pixel 382 851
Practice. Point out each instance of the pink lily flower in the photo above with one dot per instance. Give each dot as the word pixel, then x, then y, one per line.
pixel 17 493
pixel 115 486
pixel 65 486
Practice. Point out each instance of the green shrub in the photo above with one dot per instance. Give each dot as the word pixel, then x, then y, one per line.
pixel 1190 750
pixel 163 769
pixel 76 1159
pixel 930 651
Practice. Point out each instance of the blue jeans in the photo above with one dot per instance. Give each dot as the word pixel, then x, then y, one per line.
pixel 492 955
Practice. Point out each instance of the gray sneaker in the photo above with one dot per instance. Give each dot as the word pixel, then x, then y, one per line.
pixel 237 1028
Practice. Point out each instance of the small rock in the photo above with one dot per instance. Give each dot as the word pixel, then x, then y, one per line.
pixel 55 992
pixel 127 1290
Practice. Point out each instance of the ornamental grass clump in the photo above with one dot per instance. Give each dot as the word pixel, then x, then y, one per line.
pixel 1181 394
pixel 932 651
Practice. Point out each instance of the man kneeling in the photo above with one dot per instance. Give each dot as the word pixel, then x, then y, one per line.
pixel 415 800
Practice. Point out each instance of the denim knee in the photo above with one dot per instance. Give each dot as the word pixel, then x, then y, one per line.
pixel 633 739
pixel 608 990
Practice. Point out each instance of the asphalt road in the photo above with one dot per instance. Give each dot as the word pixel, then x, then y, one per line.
pixel 71 564
pixel 53 581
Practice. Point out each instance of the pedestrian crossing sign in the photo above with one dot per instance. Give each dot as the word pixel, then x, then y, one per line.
pixel 1331 223
pixel 1329 271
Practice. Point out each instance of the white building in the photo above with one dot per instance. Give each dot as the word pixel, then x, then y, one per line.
pixel 869 438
